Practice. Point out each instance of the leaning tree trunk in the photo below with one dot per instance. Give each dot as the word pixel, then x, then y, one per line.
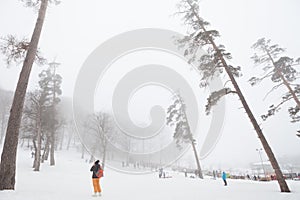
pixel 199 171
pixel 9 154
pixel 279 176
pixel 282 183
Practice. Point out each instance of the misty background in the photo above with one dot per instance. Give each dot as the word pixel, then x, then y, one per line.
pixel 75 28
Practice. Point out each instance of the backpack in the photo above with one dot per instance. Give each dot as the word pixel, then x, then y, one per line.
pixel 99 173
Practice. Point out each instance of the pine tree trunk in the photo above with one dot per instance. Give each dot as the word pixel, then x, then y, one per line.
pixel 282 183
pixel 53 131
pixel 199 171
pixel 290 89
pixel 52 148
pixel 9 153
pixel 279 176
pixel 39 144
pixel 279 72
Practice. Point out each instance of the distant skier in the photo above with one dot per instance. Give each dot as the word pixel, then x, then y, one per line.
pixel 248 177
pixel 97 174
pixel 224 178
pixel 255 178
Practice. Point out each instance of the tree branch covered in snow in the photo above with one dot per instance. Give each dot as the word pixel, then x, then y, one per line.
pixel 214 98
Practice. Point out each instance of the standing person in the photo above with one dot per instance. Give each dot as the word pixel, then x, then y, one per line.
pixel 185 172
pixel 97 174
pixel 224 178
pixel 214 175
pixel 160 173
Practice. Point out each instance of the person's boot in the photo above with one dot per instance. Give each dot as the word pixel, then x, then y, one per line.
pixel 95 194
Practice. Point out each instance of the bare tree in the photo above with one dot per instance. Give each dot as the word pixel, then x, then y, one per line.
pixel 101 125
pixel 33 124
pixel 213 64
pixel 177 117
pixel 282 71
pixel 9 153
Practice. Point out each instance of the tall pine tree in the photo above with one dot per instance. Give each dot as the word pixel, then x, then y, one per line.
pixel 9 153
pixel 282 71
pixel 213 64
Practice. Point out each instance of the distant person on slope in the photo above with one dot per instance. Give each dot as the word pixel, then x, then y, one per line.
pixel 97 174
pixel 224 178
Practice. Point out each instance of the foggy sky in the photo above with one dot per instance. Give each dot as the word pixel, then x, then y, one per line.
pixel 75 28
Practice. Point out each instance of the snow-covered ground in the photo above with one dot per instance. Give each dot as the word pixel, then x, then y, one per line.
pixel 71 179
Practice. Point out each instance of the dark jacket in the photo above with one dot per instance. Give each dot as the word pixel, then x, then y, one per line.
pixel 95 169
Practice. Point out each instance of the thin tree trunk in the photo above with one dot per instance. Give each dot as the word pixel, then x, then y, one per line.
pixel 52 148
pixel 53 131
pixel 28 143
pixel 92 158
pixel 69 140
pixel 290 89
pixel 104 156
pixel 62 139
pixel 278 70
pixel 82 151
pixel 282 183
pixel 46 150
pixel 199 171
pixel 35 149
pixel 279 176
pixel 9 153
pixel 39 144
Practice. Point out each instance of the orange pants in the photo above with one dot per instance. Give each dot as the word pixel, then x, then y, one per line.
pixel 96 184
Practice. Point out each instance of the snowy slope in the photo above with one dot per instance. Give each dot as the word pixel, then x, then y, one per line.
pixel 71 179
